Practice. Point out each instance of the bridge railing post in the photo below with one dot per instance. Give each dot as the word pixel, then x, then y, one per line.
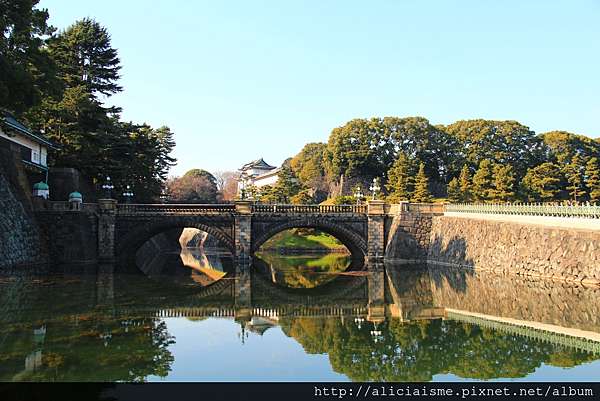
pixel 243 230
pixel 107 210
pixel 375 230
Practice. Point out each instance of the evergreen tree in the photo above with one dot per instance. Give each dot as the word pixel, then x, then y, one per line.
pixel 421 193
pixel 287 185
pixel 465 184
pixel 543 182
pixel 454 193
pixel 482 181
pixel 26 71
pixel 504 182
pixel 574 175
pixel 592 179
pixel 401 179
pixel 85 57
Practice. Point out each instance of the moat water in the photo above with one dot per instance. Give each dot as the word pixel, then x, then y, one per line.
pixel 199 317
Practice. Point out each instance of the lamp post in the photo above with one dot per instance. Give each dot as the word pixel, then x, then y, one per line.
pixel 107 187
pixel 243 179
pixel 359 321
pixel 376 334
pixel 375 187
pixel 164 195
pixel 358 194
pixel 128 194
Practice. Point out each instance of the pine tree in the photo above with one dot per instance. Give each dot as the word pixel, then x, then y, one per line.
pixel 482 181
pixel 543 182
pixel 454 193
pixel 421 193
pixel 504 182
pixel 592 179
pixel 574 175
pixel 401 179
pixel 287 184
pixel 85 57
pixel 465 184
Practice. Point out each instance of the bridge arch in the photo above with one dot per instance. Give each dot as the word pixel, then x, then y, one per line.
pixel 356 244
pixel 133 239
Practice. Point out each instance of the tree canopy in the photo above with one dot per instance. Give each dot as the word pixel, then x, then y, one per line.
pixel 57 82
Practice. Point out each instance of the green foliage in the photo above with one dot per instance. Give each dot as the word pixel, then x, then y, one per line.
pixel 592 179
pixel 562 147
pixel 302 198
pixel 287 185
pixel 367 148
pixel 482 182
pixel 421 193
pixel 92 139
pixel 344 200
pixel 419 350
pixel 304 271
pixel 500 142
pixel 465 184
pixel 574 174
pixel 26 69
pixel 86 58
pixel 311 239
pixel 543 182
pixel 454 193
pixel 401 179
pixel 504 183
pixel 308 165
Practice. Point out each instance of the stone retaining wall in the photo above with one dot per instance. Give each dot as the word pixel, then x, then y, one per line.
pixel 72 236
pixel 407 236
pixel 20 242
pixel 510 247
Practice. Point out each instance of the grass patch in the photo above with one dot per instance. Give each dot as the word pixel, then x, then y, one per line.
pixel 303 239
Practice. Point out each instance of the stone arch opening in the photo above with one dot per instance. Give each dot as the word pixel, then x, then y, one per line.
pixel 130 243
pixel 350 239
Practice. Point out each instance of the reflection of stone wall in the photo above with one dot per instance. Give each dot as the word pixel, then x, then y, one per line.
pixel 511 247
pixel 558 303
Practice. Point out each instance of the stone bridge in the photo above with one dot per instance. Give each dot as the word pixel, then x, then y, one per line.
pixel 241 227
pixel 108 231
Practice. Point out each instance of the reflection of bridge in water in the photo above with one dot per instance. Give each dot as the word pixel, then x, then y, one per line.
pixel 396 294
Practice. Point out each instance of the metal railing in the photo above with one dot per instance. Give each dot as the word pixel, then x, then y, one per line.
pixel 179 209
pixel 531 209
pixel 308 209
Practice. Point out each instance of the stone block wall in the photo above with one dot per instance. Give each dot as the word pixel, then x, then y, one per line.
pixel 407 236
pixel 74 236
pixel 20 241
pixel 510 247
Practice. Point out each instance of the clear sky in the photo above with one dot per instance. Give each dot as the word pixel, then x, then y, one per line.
pixel 238 80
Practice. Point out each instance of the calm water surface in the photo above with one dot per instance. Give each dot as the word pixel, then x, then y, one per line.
pixel 200 318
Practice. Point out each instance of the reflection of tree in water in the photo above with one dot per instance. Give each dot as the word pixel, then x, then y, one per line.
pixel 87 347
pixel 417 351
pixel 304 271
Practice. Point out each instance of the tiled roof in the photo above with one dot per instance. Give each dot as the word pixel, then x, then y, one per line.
pixel 8 120
pixel 259 164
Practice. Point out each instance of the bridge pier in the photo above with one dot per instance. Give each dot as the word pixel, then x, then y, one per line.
pixel 375 231
pixel 243 230
pixel 106 229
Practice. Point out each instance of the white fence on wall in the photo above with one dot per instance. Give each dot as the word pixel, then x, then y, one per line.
pixel 528 209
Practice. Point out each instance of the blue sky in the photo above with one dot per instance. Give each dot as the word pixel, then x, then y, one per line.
pixel 238 80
